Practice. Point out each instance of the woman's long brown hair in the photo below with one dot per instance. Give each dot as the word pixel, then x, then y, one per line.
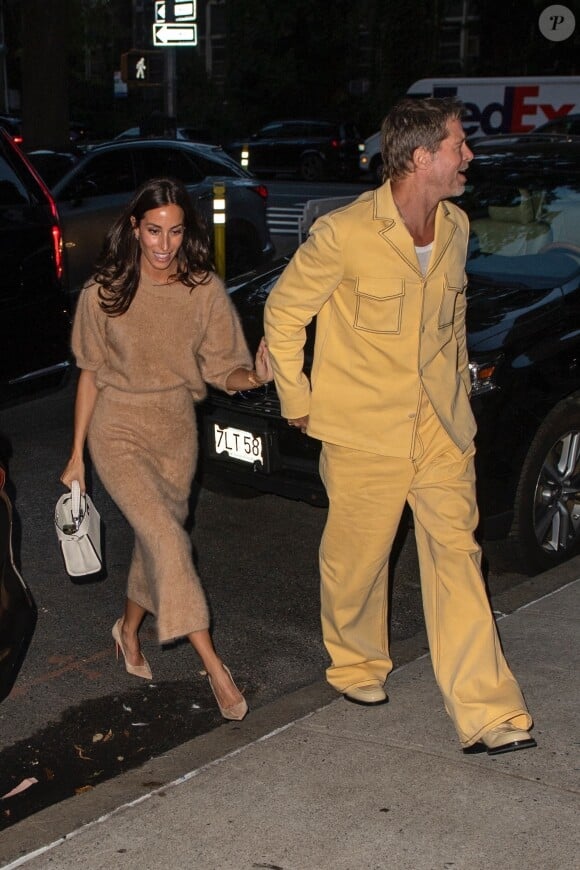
pixel 118 270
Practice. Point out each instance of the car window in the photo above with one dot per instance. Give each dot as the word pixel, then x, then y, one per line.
pixel 350 131
pixel 156 161
pixel 295 130
pixel 12 190
pixel 524 228
pixel 320 129
pixel 270 131
pixel 209 166
pixel 103 175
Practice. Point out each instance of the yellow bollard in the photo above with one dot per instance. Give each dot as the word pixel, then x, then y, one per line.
pixel 245 157
pixel 219 228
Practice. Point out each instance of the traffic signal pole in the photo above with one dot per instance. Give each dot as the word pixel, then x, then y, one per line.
pixel 170 67
pixel 170 81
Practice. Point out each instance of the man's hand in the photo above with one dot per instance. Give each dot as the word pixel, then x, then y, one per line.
pixel 300 423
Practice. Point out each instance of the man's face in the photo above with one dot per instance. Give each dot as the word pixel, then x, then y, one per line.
pixel 448 165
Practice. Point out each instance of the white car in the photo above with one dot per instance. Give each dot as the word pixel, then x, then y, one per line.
pixel 370 160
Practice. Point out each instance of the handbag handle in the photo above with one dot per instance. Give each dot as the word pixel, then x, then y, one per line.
pixel 76 502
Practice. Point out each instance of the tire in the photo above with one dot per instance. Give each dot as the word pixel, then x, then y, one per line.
pixel 311 167
pixel 546 523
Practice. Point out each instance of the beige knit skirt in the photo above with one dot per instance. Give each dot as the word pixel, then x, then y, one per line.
pixel 144 448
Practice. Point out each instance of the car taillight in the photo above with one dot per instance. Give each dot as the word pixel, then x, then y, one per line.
pixel 57 245
pixel 262 191
pixel 18 140
pixel 335 143
pixel 57 242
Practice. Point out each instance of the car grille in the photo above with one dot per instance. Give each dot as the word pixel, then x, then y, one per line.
pixel 263 401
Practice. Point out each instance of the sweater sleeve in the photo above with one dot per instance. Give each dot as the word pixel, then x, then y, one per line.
pixel 88 332
pixel 223 347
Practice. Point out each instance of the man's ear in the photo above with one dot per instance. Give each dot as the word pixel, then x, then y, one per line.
pixel 422 158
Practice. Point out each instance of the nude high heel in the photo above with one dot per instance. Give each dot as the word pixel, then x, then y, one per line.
pixel 236 711
pixel 143 671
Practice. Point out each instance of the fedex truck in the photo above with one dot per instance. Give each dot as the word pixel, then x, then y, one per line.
pixel 494 105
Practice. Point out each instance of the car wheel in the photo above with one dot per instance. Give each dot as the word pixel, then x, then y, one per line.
pixel 547 506
pixel 376 169
pixel 242 250
pixel 311 168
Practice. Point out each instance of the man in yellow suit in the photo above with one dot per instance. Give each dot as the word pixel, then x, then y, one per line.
pixel 388 397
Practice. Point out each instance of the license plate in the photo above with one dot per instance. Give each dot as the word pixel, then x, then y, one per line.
pixel 239 444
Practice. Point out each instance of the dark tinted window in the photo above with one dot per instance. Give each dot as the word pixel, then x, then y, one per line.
pixel 321 129
pixel 349 131
pixel 104 174
pixel 155 162
pixel 213 166
pixel 12 190
pixel 271 131
pixel 296 130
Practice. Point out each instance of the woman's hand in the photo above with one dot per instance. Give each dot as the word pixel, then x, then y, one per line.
pixel 74 470
pixel 84 407
pixel 262 363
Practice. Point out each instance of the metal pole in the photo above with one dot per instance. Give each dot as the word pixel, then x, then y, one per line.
pixel 170 66
pixel 3 75
pixel 219 228
pixel 170 76
pixel 208 45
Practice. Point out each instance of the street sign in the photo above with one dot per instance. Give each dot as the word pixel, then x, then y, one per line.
pixel 142 67
pixel 174 34
pixel 182 11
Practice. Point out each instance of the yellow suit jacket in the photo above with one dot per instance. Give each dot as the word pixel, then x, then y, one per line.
pixel 383 330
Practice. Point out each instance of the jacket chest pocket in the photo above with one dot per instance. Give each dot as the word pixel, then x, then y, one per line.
pixel 451 291
pixel 379 304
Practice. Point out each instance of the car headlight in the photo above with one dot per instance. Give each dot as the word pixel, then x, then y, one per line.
pixel 483 376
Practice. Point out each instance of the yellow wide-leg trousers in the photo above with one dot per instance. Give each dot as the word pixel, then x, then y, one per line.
pixel 367 494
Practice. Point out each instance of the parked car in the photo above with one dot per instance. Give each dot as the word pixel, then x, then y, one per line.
pixel 52 165
pixel 34 321
pixel 312 149
pixel 94 192
pixel 370 158
pixel 13 127
pixel 18 613
pixel 185 133
pixel 523 270
pixel 568 125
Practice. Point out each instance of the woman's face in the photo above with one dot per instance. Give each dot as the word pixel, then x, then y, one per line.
pixel 160 235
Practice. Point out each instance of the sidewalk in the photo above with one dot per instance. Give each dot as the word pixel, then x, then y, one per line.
pixel 353 788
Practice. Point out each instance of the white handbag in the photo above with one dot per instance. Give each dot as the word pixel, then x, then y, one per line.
pixel 78 529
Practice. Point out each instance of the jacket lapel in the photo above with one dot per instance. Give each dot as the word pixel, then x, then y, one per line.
pixel 396 235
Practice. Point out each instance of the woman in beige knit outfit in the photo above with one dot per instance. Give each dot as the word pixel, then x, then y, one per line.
pixel 153 327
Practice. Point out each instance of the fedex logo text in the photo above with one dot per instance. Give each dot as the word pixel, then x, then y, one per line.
pixel 521 111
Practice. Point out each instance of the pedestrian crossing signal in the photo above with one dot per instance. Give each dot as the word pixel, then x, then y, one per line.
pixel 142 67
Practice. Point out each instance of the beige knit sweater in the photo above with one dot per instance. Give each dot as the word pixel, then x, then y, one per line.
pixel 171 336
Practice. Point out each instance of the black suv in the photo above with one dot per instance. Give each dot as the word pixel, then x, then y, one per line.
pixel 310 148
pixel 523 319
pixel 34 322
